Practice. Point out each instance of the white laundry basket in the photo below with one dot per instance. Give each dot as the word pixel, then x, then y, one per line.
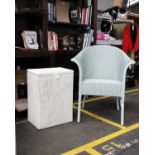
pixel 50 96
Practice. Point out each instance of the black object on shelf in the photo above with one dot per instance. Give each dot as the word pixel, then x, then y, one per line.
pixel 113 11
pixel 22 90
pixel 105 26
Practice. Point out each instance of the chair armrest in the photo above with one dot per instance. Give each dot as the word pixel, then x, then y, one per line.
pixel 79 67
pixel 79 62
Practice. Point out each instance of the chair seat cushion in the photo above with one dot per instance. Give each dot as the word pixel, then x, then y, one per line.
pixel 101 87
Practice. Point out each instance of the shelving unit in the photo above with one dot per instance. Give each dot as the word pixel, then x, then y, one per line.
pixel 25 53
pixel 33 15
pixel 118 25
pixel 117 42
pixel 36 12
pixel 117 21
pixel 67 24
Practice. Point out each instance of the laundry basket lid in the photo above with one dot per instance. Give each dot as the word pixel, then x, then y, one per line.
pixel 48 71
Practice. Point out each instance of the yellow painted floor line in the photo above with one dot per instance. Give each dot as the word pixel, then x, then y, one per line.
pixel 101 140
pixel 97 98
pixel 101 118
pixel 105 97
pixel 93 152
pixel 131 91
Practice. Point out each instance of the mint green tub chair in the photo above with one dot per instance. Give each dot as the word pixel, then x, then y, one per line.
pixel 102 72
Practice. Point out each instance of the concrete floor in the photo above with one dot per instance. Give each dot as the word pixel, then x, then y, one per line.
pixel 63 138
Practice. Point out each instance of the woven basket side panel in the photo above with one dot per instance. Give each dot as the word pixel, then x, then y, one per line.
pixel 56 99
pixel 33 99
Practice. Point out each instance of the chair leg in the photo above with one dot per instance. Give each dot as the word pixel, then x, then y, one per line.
pixel 83 102
pixel 118 103
pixel 122 110
pixel 79 109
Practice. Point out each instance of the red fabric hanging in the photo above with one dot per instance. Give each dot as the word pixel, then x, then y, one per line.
pixel 127 42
